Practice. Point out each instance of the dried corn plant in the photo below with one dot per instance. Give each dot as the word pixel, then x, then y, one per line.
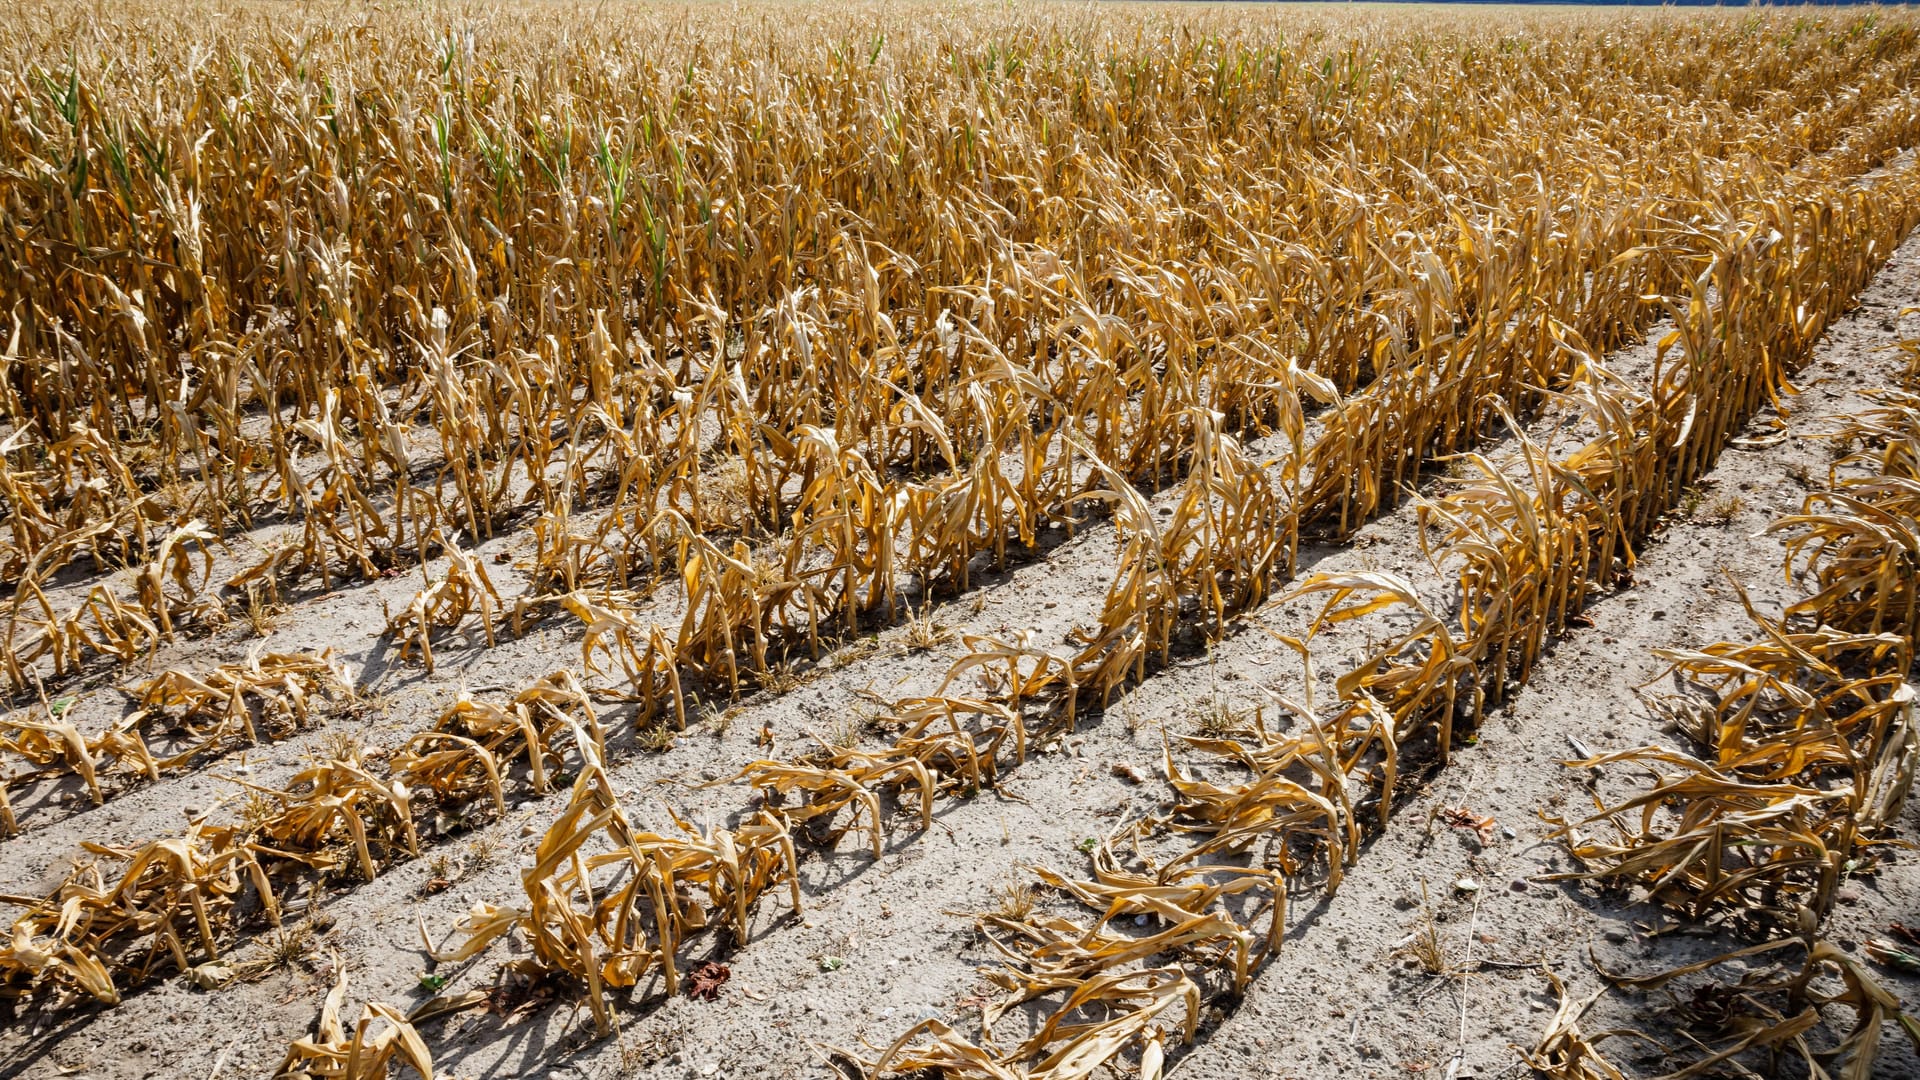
pixel 645 654
pixel 1418 675
pixel 966 756
pixel 128 916
pixel 609 916
pixel 537 727
pixel 836 779
pixel 1779 1010
pixel 1812 751
pixel 230 705
pixel 1860 541
pixel 464 590
pixel 1130 1007
pixel 55 747
pixel 381 1037
pixel 1702 840
pixel 1564 1051
pixel 332 812
pixel 1804 706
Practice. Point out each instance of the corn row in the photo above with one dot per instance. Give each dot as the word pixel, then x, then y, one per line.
pixel 1527 556
pixel 217 712
pixel 660 420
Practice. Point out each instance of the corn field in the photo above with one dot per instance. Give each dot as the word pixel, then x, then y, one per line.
pixel 638 374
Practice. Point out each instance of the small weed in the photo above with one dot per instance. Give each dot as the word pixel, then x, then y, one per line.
pixel 1427 949
pixel 780 678
pixel 263 610
pixel 442 871
pixel 346 747
pixel 718 721
pixel 846 730
pixel 1722 509
pixel 256 809
pixel 923 634
pixel 288 946
pixel 481 851
pixel 1013 901
pixel 1218 716
pixel 1691 500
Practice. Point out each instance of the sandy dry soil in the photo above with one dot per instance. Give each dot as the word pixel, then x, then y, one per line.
pixel 883 943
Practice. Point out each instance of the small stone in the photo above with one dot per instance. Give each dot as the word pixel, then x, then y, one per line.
pixel 1517 885
pixel 1618 937
pixel 1466 885
pixel 1847 894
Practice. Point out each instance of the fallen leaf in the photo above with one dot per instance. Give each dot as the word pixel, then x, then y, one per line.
pixel 706 978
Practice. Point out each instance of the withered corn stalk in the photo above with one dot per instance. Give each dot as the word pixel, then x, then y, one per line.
pixel 334 1053
pixel 1530 552
pixel 800 359
pixel 866 405
pixel 607 904
pixel 128 915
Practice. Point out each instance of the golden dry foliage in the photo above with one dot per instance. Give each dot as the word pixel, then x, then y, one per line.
pixel 1530 550
pixel 334 1053
pixel 963 755
pixel 690 294
pixel 215 712
pixel 1066 1047
pixel 834 779
pixel 464 590
pixel 1564 1052
pixel 738 342
pixel 473 743
pixel 606 904
pixel 1781 1009
pixel 223 708
pixel 1701 839
pixel 332 806
pixel 1860 541
pixel 53 746
pixel 128 915
pixel 1812 750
